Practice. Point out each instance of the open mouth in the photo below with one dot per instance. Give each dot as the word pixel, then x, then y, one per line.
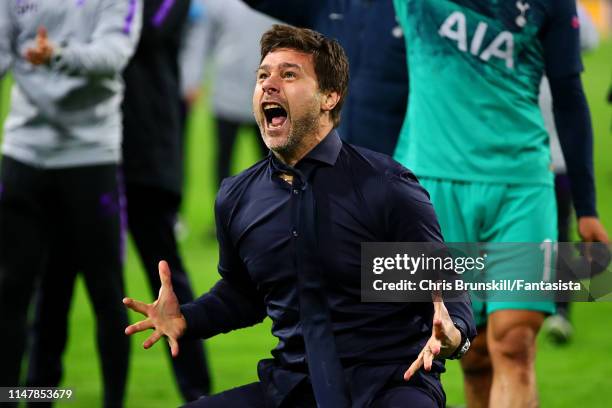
pixel 275 115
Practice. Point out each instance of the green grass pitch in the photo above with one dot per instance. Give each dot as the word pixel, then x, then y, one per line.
pixel 576 375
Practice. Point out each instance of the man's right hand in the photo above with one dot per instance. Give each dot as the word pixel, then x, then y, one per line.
pixel 43 51
pixel 164 315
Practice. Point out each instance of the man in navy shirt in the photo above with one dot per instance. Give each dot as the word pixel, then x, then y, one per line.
pixel 290 230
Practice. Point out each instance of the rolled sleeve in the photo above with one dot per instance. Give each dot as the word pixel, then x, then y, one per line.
pixel 561 40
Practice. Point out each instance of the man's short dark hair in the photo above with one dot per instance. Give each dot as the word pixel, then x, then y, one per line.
pixel 330 62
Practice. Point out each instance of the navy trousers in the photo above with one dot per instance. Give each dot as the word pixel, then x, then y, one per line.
pixel 151 216
pixel 252 396
pixel 55 223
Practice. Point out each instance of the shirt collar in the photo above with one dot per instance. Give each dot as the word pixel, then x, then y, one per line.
pixel 326 151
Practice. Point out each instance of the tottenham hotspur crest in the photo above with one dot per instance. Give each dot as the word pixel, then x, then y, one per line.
pixel 521 20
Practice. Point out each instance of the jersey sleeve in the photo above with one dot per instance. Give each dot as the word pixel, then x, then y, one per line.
pixel 560 38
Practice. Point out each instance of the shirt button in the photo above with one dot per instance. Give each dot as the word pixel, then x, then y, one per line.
pixel 295 233
pixel 296 191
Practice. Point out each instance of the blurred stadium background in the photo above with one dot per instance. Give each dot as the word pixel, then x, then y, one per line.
pixel 579 374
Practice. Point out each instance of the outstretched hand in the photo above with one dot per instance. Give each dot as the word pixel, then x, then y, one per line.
pixel 444 340
pixel 163 316
pixel 43 51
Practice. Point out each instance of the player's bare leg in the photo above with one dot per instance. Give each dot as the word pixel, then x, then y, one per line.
pixel 477 372
pixel 511 338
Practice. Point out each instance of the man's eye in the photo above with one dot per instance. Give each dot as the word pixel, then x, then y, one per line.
pixel 289 74
pixel 262 75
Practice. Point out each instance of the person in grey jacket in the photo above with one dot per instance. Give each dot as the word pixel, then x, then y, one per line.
pixel 223 35
pixel 60 197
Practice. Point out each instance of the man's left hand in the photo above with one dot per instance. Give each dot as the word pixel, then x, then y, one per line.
pixel 445 339
pixel 591 230
pixel 43 51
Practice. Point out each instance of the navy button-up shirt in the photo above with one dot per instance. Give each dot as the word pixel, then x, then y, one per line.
pixel 359 196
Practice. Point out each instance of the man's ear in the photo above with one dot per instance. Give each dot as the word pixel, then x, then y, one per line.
pixel 329 100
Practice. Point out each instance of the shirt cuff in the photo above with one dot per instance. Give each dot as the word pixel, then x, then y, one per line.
pixel 462 326
pixel 197 322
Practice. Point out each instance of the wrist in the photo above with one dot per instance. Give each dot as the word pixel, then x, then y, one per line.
pixel 181 326
pixel 453 342
pixel 463 344
pixel 55 58
pixel 585 210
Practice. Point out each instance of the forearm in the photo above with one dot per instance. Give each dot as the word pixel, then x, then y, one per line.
pixel 223 309
pixel 460 312
pixel 113 42
pixel 573 122
pixel 95 59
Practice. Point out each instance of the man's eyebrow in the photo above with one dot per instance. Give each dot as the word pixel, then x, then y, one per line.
pixel 290 65
pixel 283 65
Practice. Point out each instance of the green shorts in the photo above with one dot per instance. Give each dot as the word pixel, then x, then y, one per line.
pixel 496 213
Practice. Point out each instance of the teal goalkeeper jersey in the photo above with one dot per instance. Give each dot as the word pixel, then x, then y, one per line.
pixel 475 70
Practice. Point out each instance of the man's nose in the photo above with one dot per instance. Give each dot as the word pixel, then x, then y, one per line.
pixel 270 85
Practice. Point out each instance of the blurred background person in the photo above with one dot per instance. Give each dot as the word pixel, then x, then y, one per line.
pixel 153 166
pixel 368 31
pixel 558 326
pixel 61 202
pixel 223 36
pixel 152 170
